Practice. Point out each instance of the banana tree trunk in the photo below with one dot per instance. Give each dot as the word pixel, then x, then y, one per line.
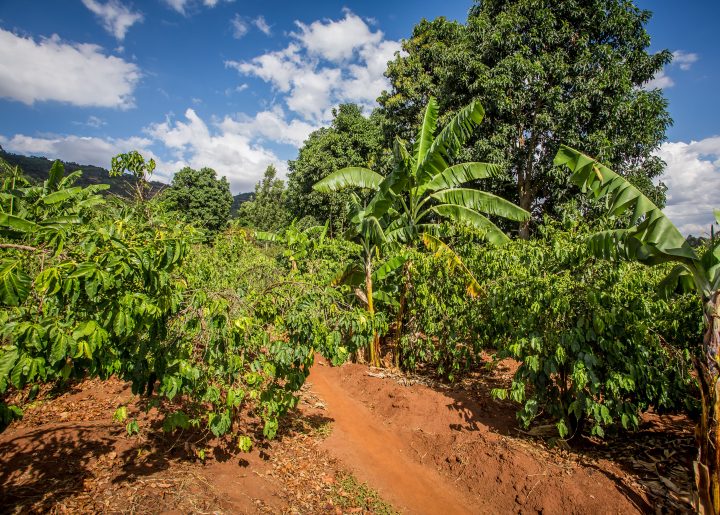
pixel 375 344
pixel 707 466
pixel 401 314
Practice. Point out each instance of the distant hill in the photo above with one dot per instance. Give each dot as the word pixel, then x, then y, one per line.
pixel 239 199
pixel 37 169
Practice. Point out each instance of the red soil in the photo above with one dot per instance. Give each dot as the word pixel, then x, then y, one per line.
pixel 430 451
pixel 424 448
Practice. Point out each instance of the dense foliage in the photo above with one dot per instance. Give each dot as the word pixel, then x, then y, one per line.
pixel 130 291
pixel 266 209
pixel 548 73
pixel 211 322
pixel 201 198
pixel 351 140
pixel 587 334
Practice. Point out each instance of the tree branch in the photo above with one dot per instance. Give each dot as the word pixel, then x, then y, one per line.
pixel 18 247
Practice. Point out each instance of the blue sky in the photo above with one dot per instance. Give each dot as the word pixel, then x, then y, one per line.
pixel 237 85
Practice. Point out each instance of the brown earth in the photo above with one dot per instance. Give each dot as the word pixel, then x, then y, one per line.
pixel 423 446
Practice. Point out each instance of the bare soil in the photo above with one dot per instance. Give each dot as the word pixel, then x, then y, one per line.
pixel 362 440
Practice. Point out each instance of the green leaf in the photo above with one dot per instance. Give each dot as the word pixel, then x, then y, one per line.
pixel 244 443
pixel 679 278
pixel 17 224
pixel 562 428
pixel 132 427
pixel 351 177
pixel 61 195
pixel 219 423
pixel 120 414
pixel 14 283
pixel 389 266
pixel 56 174
pixel 7 361
pixel 383 296
pixel 59 347
pixel 459 174
pixel 489 230
pixel 652 238
pixel 483 202
pixel 267 236
pixel 176 420
pixel 424 139
pixel 450 140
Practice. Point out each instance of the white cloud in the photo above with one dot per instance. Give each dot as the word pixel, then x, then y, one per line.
pixel 239 27
pixel 682 60
pixel 278 68
pixel 660 81
pixel 95 122
pixel 234 146
pixel 271 125
pixel 327 62
pixel 692 176
pixel 116 18
pixel 181 5
pixel 262 25
pixel 78 149
pixel 51 70
pixel 337 40
pixel 230 151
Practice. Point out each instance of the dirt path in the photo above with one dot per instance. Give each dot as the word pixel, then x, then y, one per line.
pixel 375 454
pixel 424 447
pixel 438 450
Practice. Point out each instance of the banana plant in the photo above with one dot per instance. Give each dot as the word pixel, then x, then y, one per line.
pixel 652 239
pixel 426 186
pixel 423 187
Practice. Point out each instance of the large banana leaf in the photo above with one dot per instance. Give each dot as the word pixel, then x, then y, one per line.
pixel 16 223
pixel 389 266
pixel 56 174
pixel 427 132
pixel 61 195
pixel 679 278
pixel 652 238
pixel 351 177
pixel 482 201
pixel 489 230
pixel 449 141
pixel 454 176
pixel 267 236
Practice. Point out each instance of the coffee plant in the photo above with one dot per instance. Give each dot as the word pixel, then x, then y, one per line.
pixel 595 344
pixel 94 286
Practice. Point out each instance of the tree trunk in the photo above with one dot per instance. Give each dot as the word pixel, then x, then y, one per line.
pixel 401 314
pixel 707 466
pixel 375 344
pixel 526 204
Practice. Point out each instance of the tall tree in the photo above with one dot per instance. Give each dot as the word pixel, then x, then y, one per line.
pixel 351 140
pixel 201 198
pixel 266 211
pixel 546 72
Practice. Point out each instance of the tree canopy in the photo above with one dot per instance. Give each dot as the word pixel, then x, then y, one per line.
pixel 266 211
pixel 201 198
pixel 351 140
pixel 548 73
